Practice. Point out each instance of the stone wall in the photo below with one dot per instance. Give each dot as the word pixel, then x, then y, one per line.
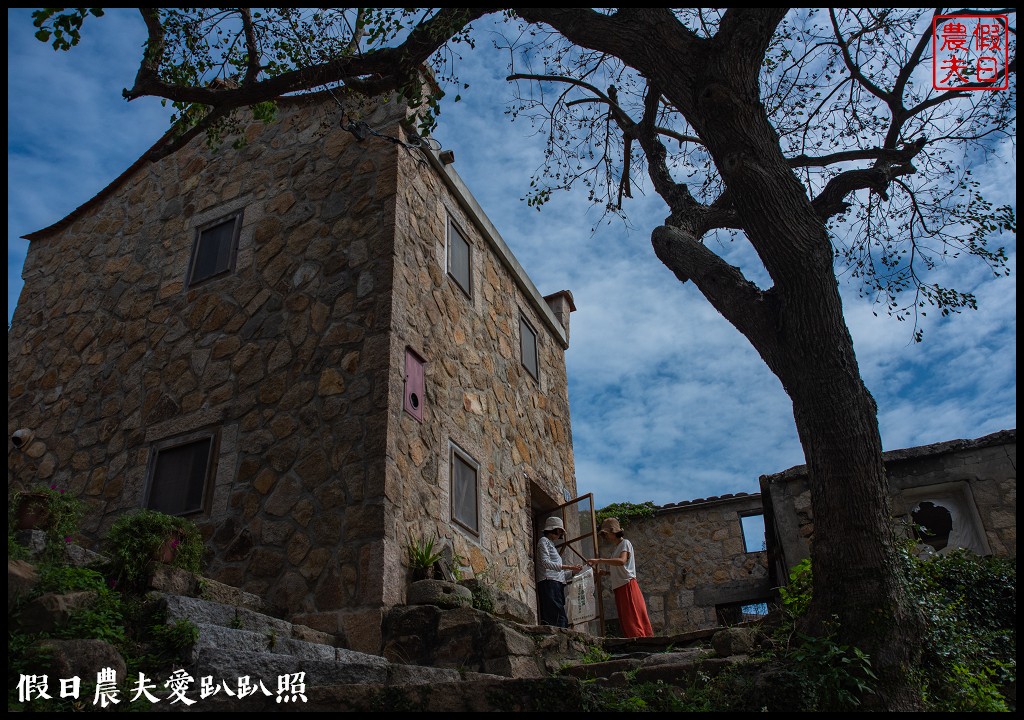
pixel 976 478
pixel 294 361
pixel 690 558
pixel 284 359
pixel 478 394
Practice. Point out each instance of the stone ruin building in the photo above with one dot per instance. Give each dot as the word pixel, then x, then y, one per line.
pixel 717 561
pixel 317 346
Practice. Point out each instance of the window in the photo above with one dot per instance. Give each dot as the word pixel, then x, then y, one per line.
pixel 213 252
pixel 465 508
pixel 178 477
pixel 739 612
pixel 414 384
pixel 933 524
pixel 459 260
pixel 753 532
pixel 528 348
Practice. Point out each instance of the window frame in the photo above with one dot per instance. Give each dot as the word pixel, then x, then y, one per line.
pixel 209 469
pixel 453 230
pixel 458 454
pixel 535 370
pixel 745 517
pixel 732 613
pixel 236 231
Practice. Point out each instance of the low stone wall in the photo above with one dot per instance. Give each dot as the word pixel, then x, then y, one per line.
pixel 690 558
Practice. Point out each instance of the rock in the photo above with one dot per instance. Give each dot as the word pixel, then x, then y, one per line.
pixel 440 593
pixel 734 641
pixel 77 658
pixel 21 578
pixel 52 610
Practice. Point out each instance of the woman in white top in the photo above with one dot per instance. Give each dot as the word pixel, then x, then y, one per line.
pixel 551 575
pixel 629 601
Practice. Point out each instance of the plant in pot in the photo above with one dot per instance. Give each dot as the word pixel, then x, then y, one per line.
pixel 422 558
pixel 46 508
pixel 138 539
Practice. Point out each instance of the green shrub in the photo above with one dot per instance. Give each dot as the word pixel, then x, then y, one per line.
pixel 135 538
pixel 595 654
pixel 15 550
pixel 970 656
pixel 483 597
pixel 968 662
pixel 422 556
pixel 796 596
pixel 63 513
pixel 625 511
pixel 654 696
pixel 833 676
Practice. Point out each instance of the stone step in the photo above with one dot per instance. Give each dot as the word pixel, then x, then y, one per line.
pixel 211 612
pixel 228 665
pixel 217 637
pixel 349 668
pixel 235 642
pixel 670 663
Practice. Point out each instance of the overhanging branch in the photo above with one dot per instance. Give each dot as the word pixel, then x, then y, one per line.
pixel 741 302
pixel 388 68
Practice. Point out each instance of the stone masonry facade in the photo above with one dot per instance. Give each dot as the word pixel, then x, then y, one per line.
pixel 693 561
pixel 691 558
pixel 976 478
pixel 293 363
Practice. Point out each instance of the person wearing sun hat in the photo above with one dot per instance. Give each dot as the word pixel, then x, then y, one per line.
pixel 551 574
pixel 629 601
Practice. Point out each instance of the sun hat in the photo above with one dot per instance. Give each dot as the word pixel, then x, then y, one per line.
pixel 553 523
pixel 610 525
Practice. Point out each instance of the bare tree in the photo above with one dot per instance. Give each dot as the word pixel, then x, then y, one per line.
pixel 815 136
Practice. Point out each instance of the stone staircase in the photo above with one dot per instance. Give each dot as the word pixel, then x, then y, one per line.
pixel 238 638
pixel 444 657
pixel 531 667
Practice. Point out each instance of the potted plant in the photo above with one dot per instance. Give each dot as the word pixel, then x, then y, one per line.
pixel 138 539
pixel 46 508
pixel 422 558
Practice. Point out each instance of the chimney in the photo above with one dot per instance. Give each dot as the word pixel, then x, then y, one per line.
pixel 561 305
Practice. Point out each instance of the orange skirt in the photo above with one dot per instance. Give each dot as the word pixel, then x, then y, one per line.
pixel 633 620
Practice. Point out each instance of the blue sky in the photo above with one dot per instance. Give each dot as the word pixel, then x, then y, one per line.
pixel 668 401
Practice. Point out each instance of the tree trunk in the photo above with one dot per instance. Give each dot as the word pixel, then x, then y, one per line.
pixel 859 587
pixel 859 590
pixel 797 326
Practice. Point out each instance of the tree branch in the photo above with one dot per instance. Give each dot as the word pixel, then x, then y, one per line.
pixel 831 201
pixel 852 66
pixel 891 155
pixel 152 56
pixel 681 203
pixel 387 68
pixel 252 60
pixel 741 302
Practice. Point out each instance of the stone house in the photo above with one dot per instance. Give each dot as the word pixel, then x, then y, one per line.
pixel 316 346
pixel 961 494
pixel 719 560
